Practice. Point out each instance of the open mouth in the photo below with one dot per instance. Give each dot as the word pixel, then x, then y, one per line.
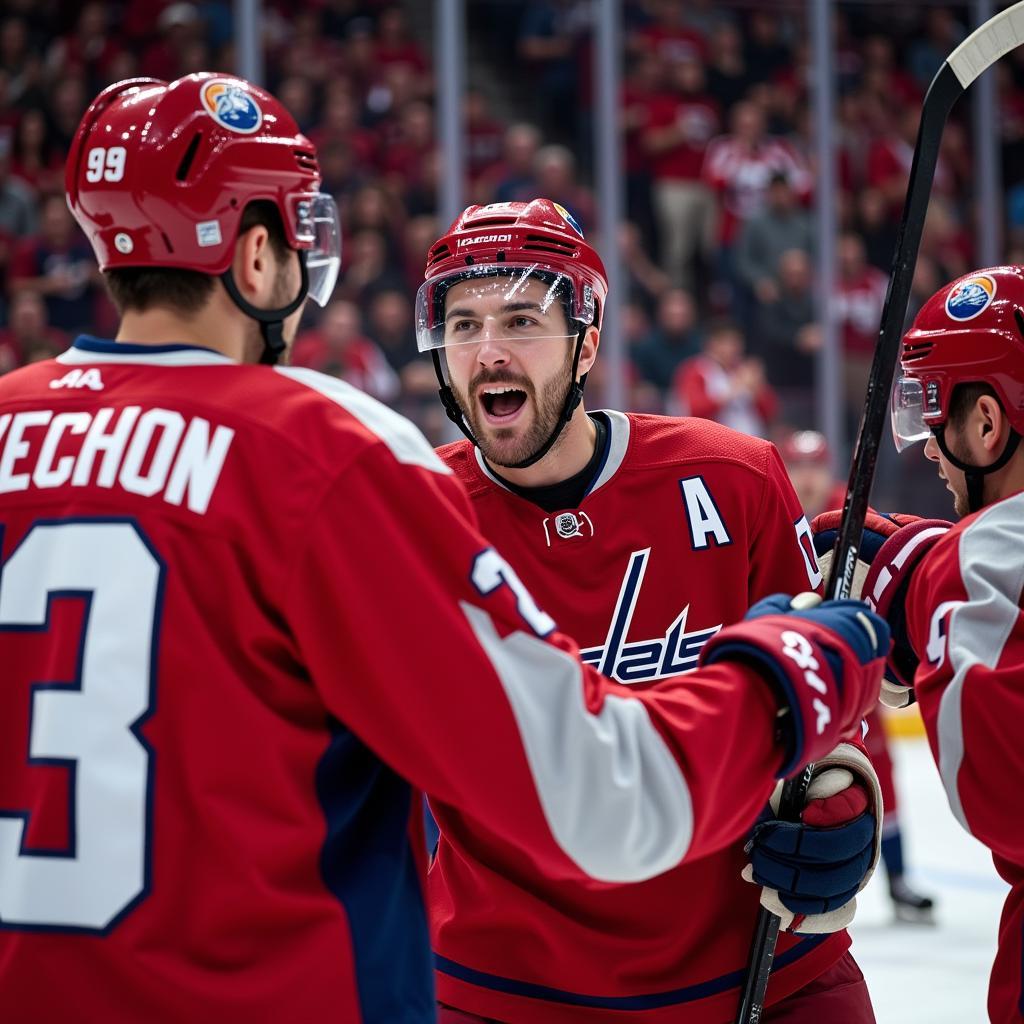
pixel 502 402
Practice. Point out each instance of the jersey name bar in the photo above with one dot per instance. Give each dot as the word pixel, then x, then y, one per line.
pixel 156 452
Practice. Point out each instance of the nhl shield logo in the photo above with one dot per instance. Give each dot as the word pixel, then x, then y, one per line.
pixel 568 526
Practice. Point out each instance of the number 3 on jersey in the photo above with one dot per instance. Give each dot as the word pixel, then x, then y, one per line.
pixel 88 725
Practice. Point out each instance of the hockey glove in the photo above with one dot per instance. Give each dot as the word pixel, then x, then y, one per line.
pixel 811 871
pixel 825 664
pixel 892 545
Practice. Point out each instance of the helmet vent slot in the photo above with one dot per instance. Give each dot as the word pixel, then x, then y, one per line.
pixel 549 244
pixel 1018 317
pixel 306 160
pixel 190 154
pixel 438 254
pixel 488 222
pixel 912 351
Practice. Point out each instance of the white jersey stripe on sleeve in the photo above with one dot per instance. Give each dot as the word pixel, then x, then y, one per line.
pixel 980 627
pixel 402 436
pixel 615 759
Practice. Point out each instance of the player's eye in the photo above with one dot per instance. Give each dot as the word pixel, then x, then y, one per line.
pixel 461 326
pixel 523 323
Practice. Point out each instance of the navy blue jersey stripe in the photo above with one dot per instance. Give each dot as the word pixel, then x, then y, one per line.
pixel 367 862
pixel 648 1001
pixel 89 343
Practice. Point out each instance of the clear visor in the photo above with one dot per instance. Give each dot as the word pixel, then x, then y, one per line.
pixel 907 413
pixel 317 225
pixel 500 303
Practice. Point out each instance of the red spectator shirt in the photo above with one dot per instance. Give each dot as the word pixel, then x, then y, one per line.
pixel 227 642
pixel 966 624
pixel 741 176
pixel 686 525
pixel 699 118
pixel 702 388
pixel 858 306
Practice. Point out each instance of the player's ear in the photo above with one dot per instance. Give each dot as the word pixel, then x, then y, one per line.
pixel 253 265
pixel 990 424
pixel 588 353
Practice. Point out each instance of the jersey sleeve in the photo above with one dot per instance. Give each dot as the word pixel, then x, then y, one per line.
pixel 782 554
pixel 966 626
pixel 422 640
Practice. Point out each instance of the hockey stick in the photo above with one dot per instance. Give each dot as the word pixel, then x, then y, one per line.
pixel 979 51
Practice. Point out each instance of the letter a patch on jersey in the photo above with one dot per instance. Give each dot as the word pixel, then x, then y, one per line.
pixel 705 521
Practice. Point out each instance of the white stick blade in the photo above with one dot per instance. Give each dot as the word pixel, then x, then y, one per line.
pixel 987 43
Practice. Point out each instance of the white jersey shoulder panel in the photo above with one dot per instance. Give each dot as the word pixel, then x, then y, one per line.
pixel 980 627
pixel 615 760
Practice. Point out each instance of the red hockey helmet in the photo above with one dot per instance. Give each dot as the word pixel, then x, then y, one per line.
pixel 969 331
pixel 516 242
pixel 159 175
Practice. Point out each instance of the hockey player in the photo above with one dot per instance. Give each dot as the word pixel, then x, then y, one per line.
pixel 808 463
pixel 244 611
pixel 953 593
pixel 646 535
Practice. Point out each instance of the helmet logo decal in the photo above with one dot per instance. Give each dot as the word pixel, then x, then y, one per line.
pixel 970 297
pixel 231 106
pixel 569 219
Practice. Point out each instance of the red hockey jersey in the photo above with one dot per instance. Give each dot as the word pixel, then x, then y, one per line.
pixel 966 624
pixel 686 525
pixel 239 608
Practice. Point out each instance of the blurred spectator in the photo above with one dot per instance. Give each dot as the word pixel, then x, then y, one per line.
pixel 670 35
pixel 740 165
pixel 395 46
pixel 513 177
pixel 369 269
pixel 27 337
pixel 410 146
pixel 783 225
pixel 857 306
pixel 642 82
pixel 33 157
pixel 877 228
pixel 928 52
pixel 548 44
pixel 727 73
pixel 390 324
pixel 787 336
pixel 337 346
pixel 670 341
pixel 809 465
pixel 882 77
pixel 180 25
pixel 17 204
pixel 647 282
pixel 89 50
pixel 21 64
pixel 485 135
pixel 890 157
pixel 680 124
pixel 419 235
pixel 296 93
pixel 766 49
pixel 555 179
pixel 59 265
pixel 68 100
pixel 723 384
pixel 339 123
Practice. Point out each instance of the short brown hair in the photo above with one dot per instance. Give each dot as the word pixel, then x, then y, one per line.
pixel 185 292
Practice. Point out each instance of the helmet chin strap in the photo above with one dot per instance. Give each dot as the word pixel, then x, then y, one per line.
pixel 572 400
pixel 974 476
pixel 271 321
